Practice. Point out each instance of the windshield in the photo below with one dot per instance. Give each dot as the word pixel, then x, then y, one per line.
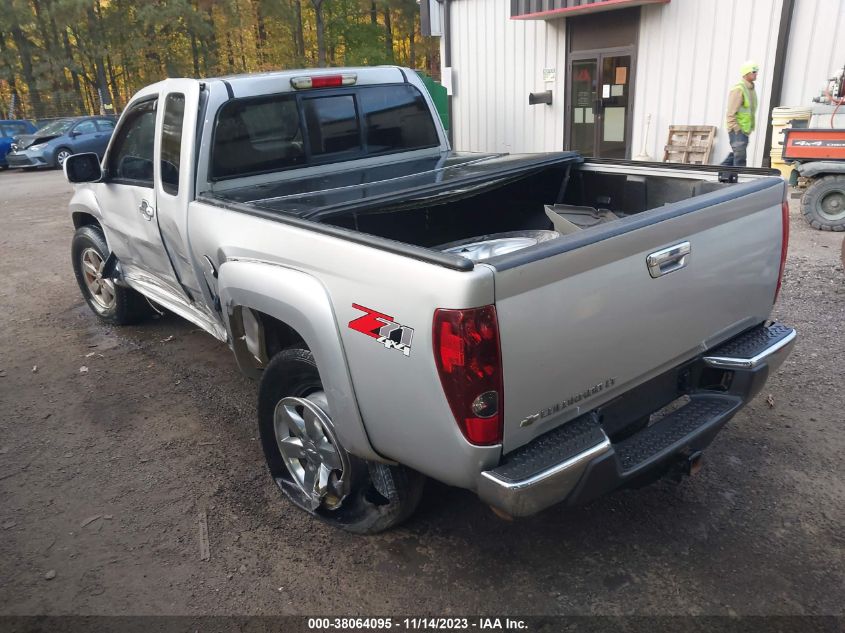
pixel 55 127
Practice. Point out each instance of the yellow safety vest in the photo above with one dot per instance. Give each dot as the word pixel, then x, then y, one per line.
pixel 745 114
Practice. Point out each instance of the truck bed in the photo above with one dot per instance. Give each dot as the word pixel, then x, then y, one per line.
pixel 437 201
pixel 605 319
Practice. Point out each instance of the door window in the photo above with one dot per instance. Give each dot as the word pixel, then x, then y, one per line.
pixel 171 142
pixel 599 106
pixel 615 77
pixel 86 127
pixel 131 158
pixel 105 125
pixel 583 104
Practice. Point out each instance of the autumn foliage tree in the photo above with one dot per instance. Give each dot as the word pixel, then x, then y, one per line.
pixel 63 57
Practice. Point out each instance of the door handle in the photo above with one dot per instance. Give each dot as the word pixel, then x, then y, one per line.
pixel 146 210
pixel 668 260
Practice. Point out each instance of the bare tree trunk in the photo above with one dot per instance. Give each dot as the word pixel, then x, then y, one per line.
pixel 243 48
pixel 412 46
pixel 49 43
pixel 260 35
pixel 388 35
pixel 298 35
pixel 87 94
pixel 210 47
pixel 195 55
pixel 71 66
pixel 25 49
pixel 112 82
pixel 16 98
pixel 230 55
pixel 321 32
pixel 102 85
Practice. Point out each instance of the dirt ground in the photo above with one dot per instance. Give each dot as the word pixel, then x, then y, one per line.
pixel 112 441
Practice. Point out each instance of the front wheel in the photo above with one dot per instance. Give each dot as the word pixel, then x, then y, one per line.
pixel 308 462
pixel 61 156
pixel 823 204
pixel 112 303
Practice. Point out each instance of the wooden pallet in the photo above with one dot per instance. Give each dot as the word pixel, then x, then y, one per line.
pixel 689 144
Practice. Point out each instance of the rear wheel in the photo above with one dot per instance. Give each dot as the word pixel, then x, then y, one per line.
pixel 308 462
pixel 823 204
pixel 112 303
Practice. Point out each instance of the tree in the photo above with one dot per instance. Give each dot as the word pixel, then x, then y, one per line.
pixel 64 57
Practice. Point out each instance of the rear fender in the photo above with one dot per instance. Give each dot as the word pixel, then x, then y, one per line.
pixel 300 301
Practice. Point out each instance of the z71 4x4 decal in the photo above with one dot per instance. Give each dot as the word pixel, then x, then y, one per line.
pixel 384 329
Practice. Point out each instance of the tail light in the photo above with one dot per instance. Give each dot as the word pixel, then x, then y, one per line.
pixel 468 358
pixel 784 247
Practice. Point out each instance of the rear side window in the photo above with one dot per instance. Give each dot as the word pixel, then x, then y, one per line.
pixel 256 136
pixel 105 125
pixel 397 118
pixel 266 134
pixel 171 142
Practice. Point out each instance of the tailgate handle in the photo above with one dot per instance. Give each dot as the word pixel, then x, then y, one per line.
pixel 668 260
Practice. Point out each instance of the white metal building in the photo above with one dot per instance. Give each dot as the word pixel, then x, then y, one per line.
pixel 611 65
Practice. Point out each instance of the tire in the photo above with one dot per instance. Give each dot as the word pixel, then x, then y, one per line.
pixel 113 304
pixel 61 155
pixel 823 204
pixel 360 496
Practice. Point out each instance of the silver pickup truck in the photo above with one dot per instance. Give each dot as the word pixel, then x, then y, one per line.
pixel 539 329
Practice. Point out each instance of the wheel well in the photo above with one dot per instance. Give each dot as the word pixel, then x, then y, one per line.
pixel 257 337
pixel 279 335
pixel 81 219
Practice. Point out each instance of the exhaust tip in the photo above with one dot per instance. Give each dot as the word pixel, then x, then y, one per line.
pixel 695 463
pixel 502 514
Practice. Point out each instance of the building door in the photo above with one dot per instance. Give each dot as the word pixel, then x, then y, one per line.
pixel 599 104
pixel 600 82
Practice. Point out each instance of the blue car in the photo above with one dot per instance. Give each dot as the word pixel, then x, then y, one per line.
pixel 50 145
pixel 8 131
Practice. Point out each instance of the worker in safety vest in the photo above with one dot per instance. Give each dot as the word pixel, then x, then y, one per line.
pixel 742 105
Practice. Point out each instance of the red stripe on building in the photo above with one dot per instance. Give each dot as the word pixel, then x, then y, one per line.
pixel 596 7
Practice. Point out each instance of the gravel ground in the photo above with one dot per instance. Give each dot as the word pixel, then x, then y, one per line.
pixel 113 441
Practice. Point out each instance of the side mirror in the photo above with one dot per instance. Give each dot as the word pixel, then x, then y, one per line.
pixel 74 134
pixel 83 168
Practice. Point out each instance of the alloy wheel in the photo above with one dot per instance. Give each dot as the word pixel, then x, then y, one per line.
pixel 101 289
pixel 306 440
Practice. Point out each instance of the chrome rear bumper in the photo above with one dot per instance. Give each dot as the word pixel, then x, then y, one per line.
pixel 534 477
